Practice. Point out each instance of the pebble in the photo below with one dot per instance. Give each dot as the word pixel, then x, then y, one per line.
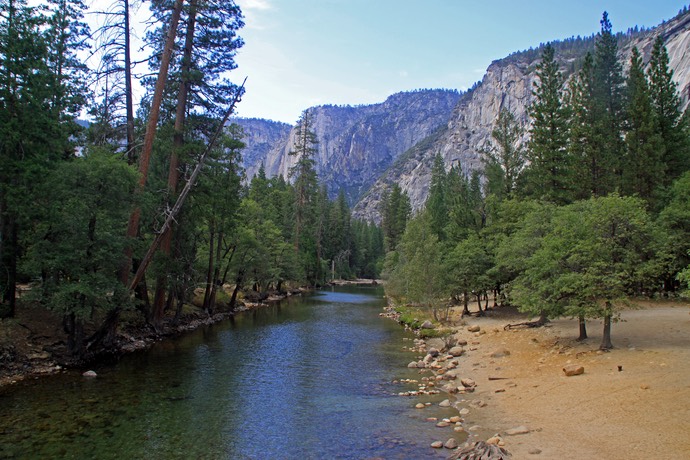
pixel 534 451
pixel 443 424
pixel 645 386
pixel 437 444
pixel 473 328
pixel 419 406
pixel 89 374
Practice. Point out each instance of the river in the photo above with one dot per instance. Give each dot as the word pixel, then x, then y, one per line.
pixel 311 377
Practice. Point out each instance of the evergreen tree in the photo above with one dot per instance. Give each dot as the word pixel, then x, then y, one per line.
pixel 305 182
pixel 549 171
pixel 436 203
pixel 503 162
pixel 642 169
pixel 671 125
pixel 608 91
pixel 396 211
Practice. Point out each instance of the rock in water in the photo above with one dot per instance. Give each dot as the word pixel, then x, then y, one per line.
pixel 451 444
pixel 573 369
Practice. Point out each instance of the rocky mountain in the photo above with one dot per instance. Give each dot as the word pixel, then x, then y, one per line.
pixel 356 143
pixel 508 84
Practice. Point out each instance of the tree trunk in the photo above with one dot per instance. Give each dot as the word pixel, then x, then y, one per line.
pixel 209 271
pixel 606 338
pixel 178 143
pixel 479 305
pixel 8 262
pixel 543 318
pixel 238 284
pixel 465 303
pixel 129 95
pixel 583 329
pixel 486 300
pixel 151 127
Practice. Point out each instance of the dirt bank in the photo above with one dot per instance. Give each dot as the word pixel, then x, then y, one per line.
pixel 632 402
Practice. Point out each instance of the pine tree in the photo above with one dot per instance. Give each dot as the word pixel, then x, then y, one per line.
pixel 436 204
pixel 642 169
pixel 305 183
pixel 504 161
pixel 549 171
pixel 666 103
pixel 395 212
pixel 608 87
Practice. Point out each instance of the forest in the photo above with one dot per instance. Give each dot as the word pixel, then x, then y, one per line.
pixel 145 208
pixel 593 211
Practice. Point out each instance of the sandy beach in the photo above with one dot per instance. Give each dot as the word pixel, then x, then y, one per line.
pixel 630 403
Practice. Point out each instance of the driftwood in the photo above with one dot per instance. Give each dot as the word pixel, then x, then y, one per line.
pixel 526 324
pixel 481 451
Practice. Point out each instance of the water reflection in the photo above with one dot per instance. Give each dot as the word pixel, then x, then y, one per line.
pixel 308 379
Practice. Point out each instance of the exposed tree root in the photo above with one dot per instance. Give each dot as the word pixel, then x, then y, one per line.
pixel 481 451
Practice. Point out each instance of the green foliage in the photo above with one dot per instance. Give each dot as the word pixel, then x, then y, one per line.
pixel 76 248
pixel 549 174
pixel 504 161
pixel 395 212
pixel 417 275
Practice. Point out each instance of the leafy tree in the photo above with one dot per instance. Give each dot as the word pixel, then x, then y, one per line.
pixel 595 253
pixel 675 218
pixel 76 249
pixel 418 276
pixel 468 266
pixel 549 174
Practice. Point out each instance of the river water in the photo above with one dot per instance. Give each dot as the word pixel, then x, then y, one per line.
pixel 309 378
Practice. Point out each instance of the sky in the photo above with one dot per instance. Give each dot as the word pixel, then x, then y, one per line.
pixel 302 53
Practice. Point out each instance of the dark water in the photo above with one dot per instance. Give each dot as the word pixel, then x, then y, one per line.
pixel 310 378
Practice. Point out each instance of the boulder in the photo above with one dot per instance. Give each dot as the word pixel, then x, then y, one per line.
pixel 89 374
pixel 451 444
pixel 473 328
pixel 456 351
pixel 434 352
pixel 573 369
pixel 437 444
pixel 444 403
pixel 427 325
pixel 468 383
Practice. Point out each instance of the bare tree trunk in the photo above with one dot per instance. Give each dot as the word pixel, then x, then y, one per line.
pixel 178 143
pixel 465 303
pixel 129 96
pixel 583 329
pixel 151 127
pixel 606 338
pixel 209 272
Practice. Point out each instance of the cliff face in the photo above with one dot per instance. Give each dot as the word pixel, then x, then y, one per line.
pixel 356 144
pixel 507 84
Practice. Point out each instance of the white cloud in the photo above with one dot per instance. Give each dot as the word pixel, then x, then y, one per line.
pixel 254 4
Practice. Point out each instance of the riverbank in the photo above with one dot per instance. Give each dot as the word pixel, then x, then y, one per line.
pixel 33 344
pixel 631 402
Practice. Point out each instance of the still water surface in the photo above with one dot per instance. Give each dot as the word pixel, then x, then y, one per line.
pixel 309 378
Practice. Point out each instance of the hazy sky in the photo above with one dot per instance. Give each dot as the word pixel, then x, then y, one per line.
pixel 301 53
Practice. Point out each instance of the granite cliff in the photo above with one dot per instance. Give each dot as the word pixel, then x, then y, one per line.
pixel 508 84
pixel 364 149
pixel 356 143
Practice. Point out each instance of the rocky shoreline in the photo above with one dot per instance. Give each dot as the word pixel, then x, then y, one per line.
pixel 39 356
pixel 439 363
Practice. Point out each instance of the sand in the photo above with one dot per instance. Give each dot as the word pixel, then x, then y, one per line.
pixel 640 412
